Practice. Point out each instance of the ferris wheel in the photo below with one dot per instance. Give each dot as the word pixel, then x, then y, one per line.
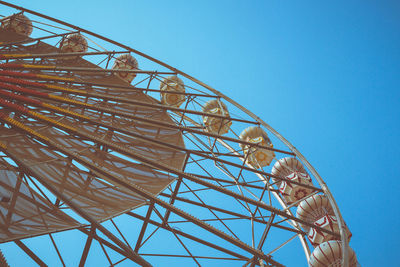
pixel 109 155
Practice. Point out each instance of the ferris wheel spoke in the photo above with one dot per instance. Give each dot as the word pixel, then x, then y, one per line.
pixel 174 194
pixel 93 235
pixel 144 226
pixel 15 195
pixel 31 40
pixel 281 245
pixel 36 76
pixel 105 253
pixel 229 183
pixel 177 237
pixel 56 55
pixel 30 253
pixel 187 235
pixel 76 69
pixel 86 249
pixel 262 239
pixel 57 250
pixel 210 210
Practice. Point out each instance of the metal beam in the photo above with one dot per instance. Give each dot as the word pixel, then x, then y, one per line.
pixel 63 68
pixel 30 253
pixel 186 235
pixel 56 55
pixel 87 247
pixel 73 81
pixel 144 226
pixel 31 40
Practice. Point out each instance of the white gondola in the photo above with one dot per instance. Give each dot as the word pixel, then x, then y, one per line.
pixel 313 208
pixel 214 124
pixel 293 192
pixel 329 254
pixel 175 84
pixel 127 62
pixel 18 23
pixel 256 156
pixel 73 43
pixel 286 166
pixel 328 222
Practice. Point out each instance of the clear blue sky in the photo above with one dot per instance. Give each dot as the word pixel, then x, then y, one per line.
pixel 325 74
